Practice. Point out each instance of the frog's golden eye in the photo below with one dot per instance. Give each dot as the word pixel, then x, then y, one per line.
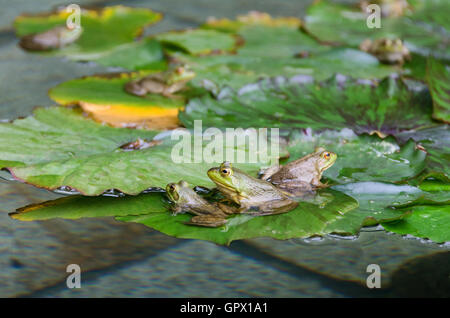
pixel 326 155
pixel 172 187
pixel 225 171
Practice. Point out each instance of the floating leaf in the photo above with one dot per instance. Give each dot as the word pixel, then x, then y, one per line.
pixel 438 78
pixel 430 216
pixel 436 141
pixel 306 220
pixel 425 30
pixel 199 41
pixel 77 206
pixel 59 147
pixel 300 102
pixel 103 30
pixel 106 100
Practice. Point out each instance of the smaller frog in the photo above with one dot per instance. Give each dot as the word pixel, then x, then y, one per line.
pixel 165 83
pixel 187 200
pixel 387 51
pixel 250 193
pixel 54 38
pixel 303 174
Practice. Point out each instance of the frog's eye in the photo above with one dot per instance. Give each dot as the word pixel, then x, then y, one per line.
pixel 180 70
pixel 172 187
pixel 225 171
pixel 326 155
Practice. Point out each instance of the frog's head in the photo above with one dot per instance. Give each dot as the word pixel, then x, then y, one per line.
pixel 390 45
pixel 176 192
pixel 180 73
pixel 227 178
pixel 325 159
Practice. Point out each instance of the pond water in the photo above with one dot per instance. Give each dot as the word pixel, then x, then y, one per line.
pixel 130 260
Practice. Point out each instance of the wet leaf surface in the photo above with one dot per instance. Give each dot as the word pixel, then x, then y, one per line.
pixel 436 141
pixel 430 215
pixel 299 102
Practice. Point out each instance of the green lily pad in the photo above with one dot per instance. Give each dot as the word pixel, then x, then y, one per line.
pixel 77 206
pixel 430 216
pixel 199 41
pixel 104 31
pixel 439 82
pixel 146 54
pixel 436 141
pixel 425 30
pixel 374 199
pixel 299 102
pixel 306 220
pixel 59 147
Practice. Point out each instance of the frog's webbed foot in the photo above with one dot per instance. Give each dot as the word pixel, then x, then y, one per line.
pixel 322 185
pixel 207 221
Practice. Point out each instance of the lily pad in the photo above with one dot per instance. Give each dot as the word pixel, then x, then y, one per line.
pixel 300 102
pixel 425 30
pixel 430 216
pixel 199 41
pixel 59 147
pixel 439 82
pixel 106 100
pixel 436 142
pixel 151 210
pixel 104 30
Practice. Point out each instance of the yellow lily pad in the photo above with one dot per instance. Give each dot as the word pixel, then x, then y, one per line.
pixel 103 97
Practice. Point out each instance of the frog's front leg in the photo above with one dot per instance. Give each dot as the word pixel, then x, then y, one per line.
pixel 207 221
pixel 267 173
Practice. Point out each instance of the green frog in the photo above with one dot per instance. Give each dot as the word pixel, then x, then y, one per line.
pixel 250 193
pixel 54 38
pixel 165 83
pixel 301 175
pixel 386 50
pixel 207 214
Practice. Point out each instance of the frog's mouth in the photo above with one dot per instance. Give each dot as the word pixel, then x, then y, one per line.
pixel 213 175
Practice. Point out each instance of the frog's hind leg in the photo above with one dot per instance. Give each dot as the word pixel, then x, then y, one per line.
pixel 207 221
pixel 273 207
